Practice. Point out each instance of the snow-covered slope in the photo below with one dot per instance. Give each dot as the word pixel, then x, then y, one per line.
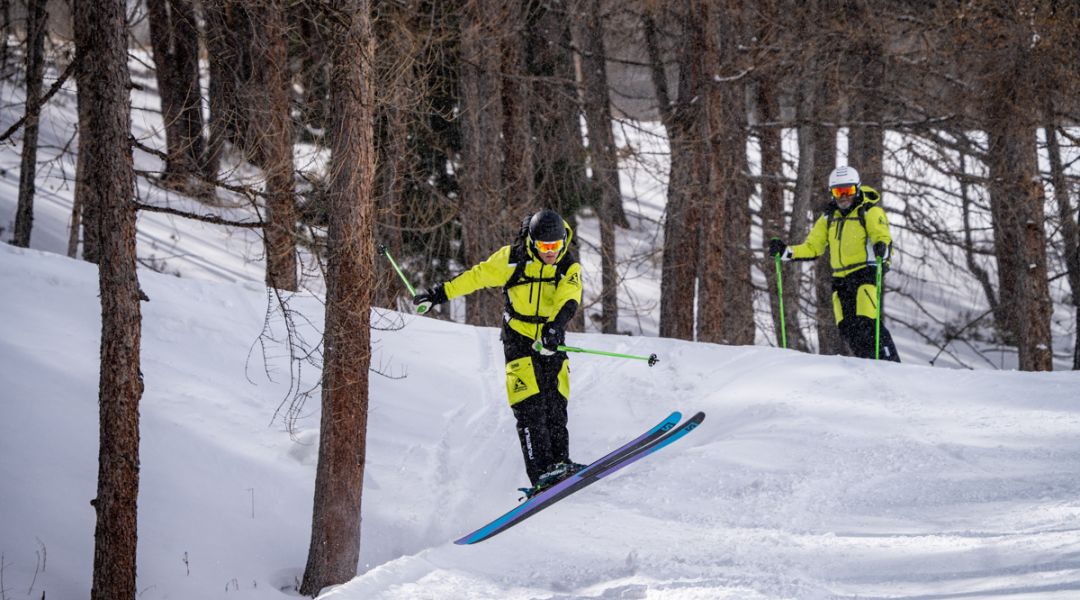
pixel 812 477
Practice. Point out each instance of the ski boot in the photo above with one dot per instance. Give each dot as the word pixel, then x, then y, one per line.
pixel 554 475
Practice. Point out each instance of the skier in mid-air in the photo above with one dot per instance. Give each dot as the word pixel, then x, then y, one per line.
pixel 541 282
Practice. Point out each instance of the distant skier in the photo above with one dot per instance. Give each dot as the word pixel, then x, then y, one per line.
pixel 855 231
pixel 541 281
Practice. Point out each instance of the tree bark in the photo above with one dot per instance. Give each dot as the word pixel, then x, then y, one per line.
pixel 101 32
pixel 725 306
pixel 335 530
pixel 732 185
pixel 772 215
pixel 5 25
pixel 174 37
pixel 678 282
pixel 559 152
pixel 1070 232
pixel 88 210
pixel 519 162
pixel 866 137
pixel 824 140
pixel 1016 200
pixel 275 142
pixel 604 160
pixel 221 87
pixel 36 26
pixel 484 214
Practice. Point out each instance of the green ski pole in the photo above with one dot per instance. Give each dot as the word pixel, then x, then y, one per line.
pixel 877 321
pixel 386 252
pixel 780 296
pixel 651 359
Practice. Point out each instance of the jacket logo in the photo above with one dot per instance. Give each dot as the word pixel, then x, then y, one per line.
pixel 519 385
pixel 574 280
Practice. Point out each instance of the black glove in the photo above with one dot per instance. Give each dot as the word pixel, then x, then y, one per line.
pixel 424 299
pixel 551 337
pixel 776 247
pixel 880 249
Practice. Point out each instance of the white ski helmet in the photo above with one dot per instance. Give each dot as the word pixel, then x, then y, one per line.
pixel 843 176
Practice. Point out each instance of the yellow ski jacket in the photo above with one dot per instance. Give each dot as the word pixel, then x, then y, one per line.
pixel 534 291
pixel 849 238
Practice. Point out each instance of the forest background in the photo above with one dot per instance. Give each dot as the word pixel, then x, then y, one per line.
pixel 437 126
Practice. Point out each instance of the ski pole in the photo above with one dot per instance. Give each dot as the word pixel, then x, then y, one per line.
pixel 386 252
pixel 877 321
pixel 780 296
pixel 652 359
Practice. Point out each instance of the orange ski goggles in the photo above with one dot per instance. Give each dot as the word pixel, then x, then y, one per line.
pixel 544 247
pixel 844 190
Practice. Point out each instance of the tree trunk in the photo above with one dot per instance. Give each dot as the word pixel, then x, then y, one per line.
pixel 1016 201
pixel 174 37
pixel 275 142
pixel 678 280
pixel 101 32
pixel 5 26
pixel 1070 232
pixel 484 216
pixel 247 56
pixel 559 153
pixel 803 206
pixel 738 327
pixel 604 161
pixel 88 211
pixel 221 88
pixel 519 162
pixel 725 301
pixel 309 50
pixel 866 136
pixel 824 140
pixel 772 214
pixel 37 24
pixel 335 529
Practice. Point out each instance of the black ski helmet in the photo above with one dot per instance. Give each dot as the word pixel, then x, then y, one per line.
pixel 547 226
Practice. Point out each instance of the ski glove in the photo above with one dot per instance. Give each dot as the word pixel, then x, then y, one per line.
pixel 776 247
pixel 424 299
pixel 881 250
pixel 551 337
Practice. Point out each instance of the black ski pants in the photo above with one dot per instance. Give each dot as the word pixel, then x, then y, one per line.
pixel 858 330
pixel 541 418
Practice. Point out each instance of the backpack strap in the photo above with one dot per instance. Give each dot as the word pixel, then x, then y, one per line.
pixel 518 277
pixel 830 217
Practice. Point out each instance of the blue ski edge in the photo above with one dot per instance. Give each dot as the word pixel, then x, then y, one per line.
pixel 660 436
pixel 541 498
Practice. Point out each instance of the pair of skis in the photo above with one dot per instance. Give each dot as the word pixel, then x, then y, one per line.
pixel 665 432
